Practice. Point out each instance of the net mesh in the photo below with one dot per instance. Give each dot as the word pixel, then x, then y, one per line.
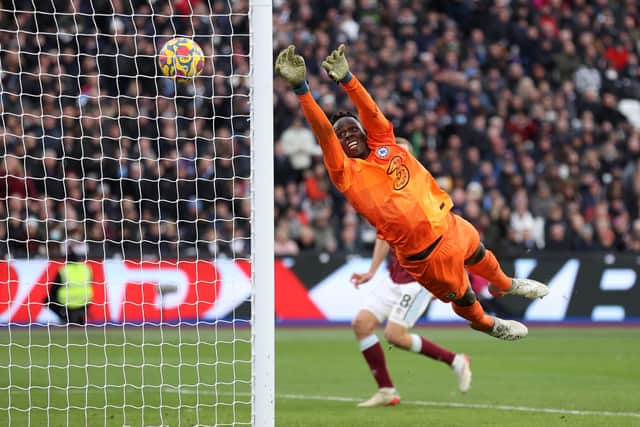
pixel 125 205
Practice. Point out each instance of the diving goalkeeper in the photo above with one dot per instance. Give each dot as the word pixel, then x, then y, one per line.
pixel 401 199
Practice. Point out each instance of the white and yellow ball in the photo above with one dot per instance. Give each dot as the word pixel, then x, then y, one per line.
pixel 181 58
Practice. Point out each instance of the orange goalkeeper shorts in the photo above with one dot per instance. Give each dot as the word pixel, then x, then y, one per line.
pixel 443 272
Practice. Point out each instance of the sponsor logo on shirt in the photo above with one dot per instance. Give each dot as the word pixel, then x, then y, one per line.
pixel 398 172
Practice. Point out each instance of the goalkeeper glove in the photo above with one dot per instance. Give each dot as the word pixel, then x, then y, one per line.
pixel 290 66
pixel 337 66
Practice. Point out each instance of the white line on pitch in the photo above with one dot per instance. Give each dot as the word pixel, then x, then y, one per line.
pixel 442 404
pixel 477 406
pixel 190 390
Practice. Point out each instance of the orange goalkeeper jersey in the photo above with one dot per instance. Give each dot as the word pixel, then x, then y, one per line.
pixel 390 188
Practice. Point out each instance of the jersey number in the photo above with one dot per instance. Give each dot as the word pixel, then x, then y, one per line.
pixel 405 301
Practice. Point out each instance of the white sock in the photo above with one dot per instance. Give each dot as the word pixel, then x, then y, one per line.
pixel 368 342
pixel 457 360
pixel 416 343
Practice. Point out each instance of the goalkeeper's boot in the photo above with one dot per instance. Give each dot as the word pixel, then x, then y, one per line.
pixel 508 330
pixel 386 396
pixel 523 288
pixel 462 369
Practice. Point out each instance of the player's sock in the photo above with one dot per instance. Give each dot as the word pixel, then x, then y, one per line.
pixel 489 268
pixel 475 314
pixel 430 349
pixel 374 355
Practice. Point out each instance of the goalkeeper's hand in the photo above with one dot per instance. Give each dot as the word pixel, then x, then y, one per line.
pixel 290 66
pixel 336 64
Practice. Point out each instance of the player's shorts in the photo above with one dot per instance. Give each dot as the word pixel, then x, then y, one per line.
pixel 443 271
pixel 401 304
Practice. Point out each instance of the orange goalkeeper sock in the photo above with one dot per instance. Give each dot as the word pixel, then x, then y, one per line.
pixel 475 314
pixel 489 268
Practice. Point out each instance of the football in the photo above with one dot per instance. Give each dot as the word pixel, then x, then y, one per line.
pixel 181 58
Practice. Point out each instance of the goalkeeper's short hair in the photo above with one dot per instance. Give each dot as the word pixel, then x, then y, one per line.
pixel 342 114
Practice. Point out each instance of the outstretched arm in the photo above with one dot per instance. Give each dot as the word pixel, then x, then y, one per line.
pixel 291 67
pixel 331 149
pixel 374 122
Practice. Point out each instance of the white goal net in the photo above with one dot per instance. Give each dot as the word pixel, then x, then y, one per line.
pixel 128 224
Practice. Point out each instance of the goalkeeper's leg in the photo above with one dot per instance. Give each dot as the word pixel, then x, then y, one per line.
pixel 449 279
pixel 468 307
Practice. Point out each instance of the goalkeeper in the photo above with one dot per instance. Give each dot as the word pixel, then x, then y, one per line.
pixel 400 300
pixel 401 199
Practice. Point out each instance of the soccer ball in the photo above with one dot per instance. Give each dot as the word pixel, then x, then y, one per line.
pixel 182 59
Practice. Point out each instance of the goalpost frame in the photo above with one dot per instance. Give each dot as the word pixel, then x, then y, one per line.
pixel 262 249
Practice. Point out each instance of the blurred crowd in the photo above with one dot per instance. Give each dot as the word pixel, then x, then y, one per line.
pixel 97 147
pixel 526 112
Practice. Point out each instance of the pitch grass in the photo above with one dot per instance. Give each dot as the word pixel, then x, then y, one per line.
pixel 187 376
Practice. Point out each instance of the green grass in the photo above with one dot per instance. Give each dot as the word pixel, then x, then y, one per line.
pixel 320 376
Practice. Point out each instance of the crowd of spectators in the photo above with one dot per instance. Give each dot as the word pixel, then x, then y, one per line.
pixel 97 146
pixel 526 112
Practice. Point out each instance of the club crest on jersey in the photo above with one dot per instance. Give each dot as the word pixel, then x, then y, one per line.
pixel 382 152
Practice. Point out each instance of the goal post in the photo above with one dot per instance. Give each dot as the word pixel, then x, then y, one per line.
pixel 263 230
pixel 136 215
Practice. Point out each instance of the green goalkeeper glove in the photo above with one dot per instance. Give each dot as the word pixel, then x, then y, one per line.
pixel 337 66
pixel 290 66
